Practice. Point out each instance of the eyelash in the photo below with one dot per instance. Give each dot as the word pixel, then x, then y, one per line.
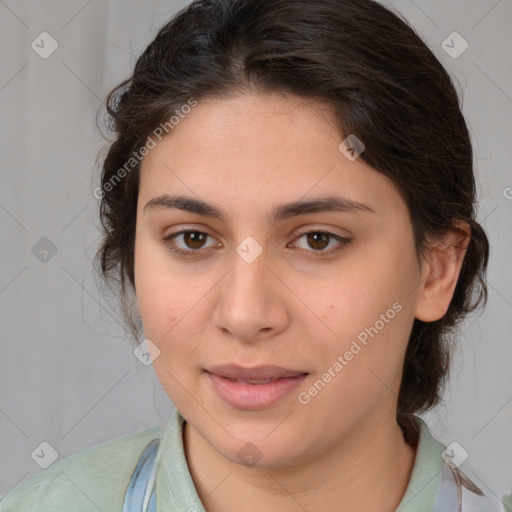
pixel 168 241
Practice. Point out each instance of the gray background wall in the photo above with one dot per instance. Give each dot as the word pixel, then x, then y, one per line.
pixel 68 375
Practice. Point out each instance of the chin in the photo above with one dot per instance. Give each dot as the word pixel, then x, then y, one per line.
pixel 255 447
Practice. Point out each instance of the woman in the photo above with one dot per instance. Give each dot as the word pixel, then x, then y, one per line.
pixel 289 211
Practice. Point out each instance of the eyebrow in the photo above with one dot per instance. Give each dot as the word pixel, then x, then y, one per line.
pixel 282 212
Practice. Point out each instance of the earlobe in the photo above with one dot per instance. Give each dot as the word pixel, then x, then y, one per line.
pixel 440 272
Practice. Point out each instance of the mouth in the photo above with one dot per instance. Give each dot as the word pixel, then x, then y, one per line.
pixel 257 374
pixel 254 388
pixel 253 381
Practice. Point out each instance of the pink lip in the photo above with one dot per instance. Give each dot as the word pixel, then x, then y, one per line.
pixel 253 396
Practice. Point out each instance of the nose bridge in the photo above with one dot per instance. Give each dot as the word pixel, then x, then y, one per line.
pixel 248 280
pixel 249 302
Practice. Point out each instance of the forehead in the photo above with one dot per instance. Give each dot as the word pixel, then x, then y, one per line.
pixel 277 147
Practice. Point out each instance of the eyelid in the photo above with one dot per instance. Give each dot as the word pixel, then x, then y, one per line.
pixel 318 229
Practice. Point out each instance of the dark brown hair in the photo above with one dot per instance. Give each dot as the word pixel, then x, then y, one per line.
pixel 382 83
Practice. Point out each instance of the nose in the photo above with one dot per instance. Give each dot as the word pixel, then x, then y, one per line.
pixel 251 302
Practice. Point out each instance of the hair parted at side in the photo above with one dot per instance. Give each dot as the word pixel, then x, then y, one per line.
pixel 382 83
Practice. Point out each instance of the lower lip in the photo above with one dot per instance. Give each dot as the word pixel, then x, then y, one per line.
pixel 254 396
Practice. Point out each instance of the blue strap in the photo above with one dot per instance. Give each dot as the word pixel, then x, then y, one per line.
pixel 140 495
pixel 448 497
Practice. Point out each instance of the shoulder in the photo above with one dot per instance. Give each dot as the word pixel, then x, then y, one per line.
pixel 93 479
pixel 437 481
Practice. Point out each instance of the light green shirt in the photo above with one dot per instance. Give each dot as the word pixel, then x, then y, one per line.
pixel 96 479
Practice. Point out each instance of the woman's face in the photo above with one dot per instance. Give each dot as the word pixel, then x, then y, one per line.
pixel 248 177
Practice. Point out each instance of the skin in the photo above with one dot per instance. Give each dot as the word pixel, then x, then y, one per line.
pixel 246 154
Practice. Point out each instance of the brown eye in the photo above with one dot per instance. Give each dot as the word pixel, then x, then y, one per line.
pixel 318 241
pixel 194 239
pixel 190 242
pixel 321 243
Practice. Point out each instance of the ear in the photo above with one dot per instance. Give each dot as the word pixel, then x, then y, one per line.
pixel 440 271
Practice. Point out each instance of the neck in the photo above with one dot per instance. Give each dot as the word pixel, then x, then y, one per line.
pixel 369 469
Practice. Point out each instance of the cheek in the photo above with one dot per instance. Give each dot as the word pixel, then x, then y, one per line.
pixel 368 308
pixel 159 306
pixel 361 290
pixel 166 305
pixel 173 310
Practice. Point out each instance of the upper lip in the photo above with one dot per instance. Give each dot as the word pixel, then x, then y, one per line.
pixel 235 372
